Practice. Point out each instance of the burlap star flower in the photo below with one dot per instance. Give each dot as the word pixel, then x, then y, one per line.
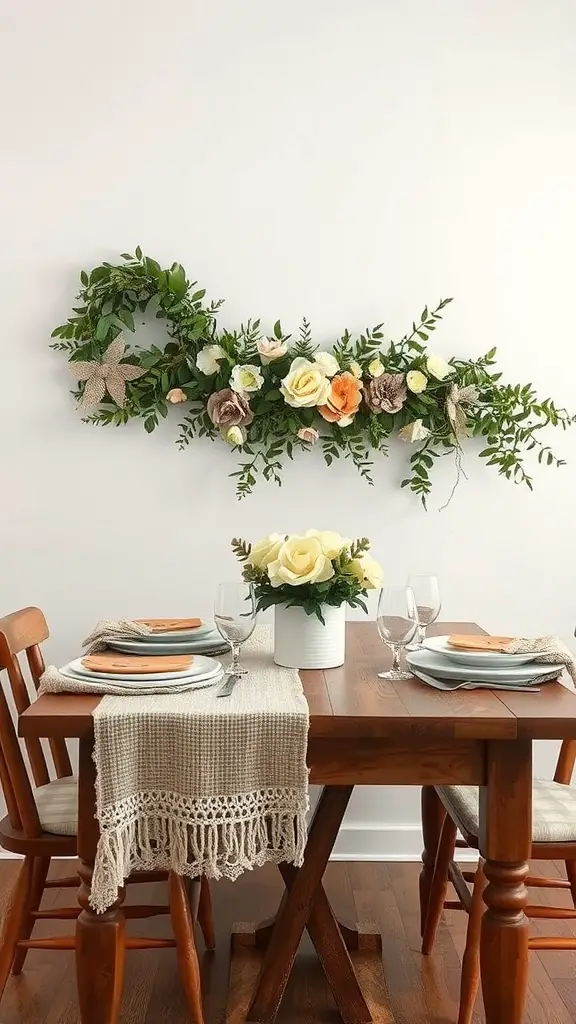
pixel 109 375
pixel 456 401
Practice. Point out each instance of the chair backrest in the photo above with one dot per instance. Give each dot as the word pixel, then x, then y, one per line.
pixel 565 763
pixel 22 632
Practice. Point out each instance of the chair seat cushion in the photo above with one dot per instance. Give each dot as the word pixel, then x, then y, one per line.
pixel 553 810
pixel 57 805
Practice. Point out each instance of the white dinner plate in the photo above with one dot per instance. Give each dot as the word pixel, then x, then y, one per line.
pixel 201 666
pixel 175 685
pixel 180 634
pixel 437 665
pixel 440 645
pixel 207 646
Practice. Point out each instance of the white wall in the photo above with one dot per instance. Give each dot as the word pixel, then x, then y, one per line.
pixel 346 161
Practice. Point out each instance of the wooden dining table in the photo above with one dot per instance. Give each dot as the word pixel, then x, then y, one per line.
pixel 370 732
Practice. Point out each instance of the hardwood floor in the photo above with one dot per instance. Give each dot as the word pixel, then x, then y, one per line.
pixel 422 991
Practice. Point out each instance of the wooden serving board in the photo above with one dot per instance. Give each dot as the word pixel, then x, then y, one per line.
pixel 135 664
pixel 170 625
pixel 496 644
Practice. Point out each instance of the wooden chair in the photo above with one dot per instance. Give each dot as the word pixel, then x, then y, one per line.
pixel 41 824
pixel 553 838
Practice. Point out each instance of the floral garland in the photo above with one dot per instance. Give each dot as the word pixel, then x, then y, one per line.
pixel 269 396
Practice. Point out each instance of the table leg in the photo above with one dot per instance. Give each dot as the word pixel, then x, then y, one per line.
pixel 306 905
pixel 505 842
pixel 99 937
pixel 433 814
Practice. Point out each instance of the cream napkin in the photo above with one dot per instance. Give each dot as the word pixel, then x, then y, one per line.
pixel 110 629
pixel 548 650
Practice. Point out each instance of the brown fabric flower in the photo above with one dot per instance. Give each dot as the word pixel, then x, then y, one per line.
pixel 386 393
pixel 106 375
pixel 227 408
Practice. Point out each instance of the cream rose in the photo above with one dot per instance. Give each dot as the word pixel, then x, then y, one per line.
pixel 416 381
pixel 270 349
pixel 305 385
pixel 438 367
pixel 234 436
pixel 209 358
pixel 265 550
pixel 376 368
pixel 327 363
pixel 332 543
pixel 367 571
pixel 300 560
pixel 415 431
pixel 356 369
pixel 246 378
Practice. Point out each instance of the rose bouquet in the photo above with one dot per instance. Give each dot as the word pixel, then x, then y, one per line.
pixel 318 569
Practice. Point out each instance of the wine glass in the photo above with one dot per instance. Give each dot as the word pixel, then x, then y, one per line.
pixel 397 621
pixel 235 618
pixel 428 604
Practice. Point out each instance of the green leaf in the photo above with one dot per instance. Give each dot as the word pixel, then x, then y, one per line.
pixel 127 318
pixel 198 295
pixel 149 424
pixel 177 280
pixel 278 330
pixel 138 251
pixel 102 328
pixel 84 278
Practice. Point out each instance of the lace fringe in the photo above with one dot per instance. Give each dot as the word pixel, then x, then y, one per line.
pixel 219 837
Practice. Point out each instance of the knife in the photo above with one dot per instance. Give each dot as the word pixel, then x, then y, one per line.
pixel 228 686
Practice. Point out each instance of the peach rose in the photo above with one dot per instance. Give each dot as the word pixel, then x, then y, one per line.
pixel 308 434
pixel 343 400
pixel 176 395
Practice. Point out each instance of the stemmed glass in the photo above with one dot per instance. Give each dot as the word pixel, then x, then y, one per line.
pixel 397 623
pixel 428 604
pixel 235 618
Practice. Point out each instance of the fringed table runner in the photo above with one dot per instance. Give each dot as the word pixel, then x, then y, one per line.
pixel 198 784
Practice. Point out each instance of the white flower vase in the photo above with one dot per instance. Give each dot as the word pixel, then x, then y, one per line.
pixel 302 641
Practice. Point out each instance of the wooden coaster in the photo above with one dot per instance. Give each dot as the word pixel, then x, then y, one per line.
pixel 480 643
pixel 170 625
pixel 134 664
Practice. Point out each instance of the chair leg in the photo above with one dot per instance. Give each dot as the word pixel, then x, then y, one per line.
pixel 571 873
pixel 439 884
pixel 40 870
pixel 205 917
pixel 14 919
pixel 471 959
pixel 183 927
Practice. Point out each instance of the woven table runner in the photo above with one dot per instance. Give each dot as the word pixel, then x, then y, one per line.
pixel 198 784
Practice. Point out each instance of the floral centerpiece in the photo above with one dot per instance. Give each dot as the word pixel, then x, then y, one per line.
pixel 309 579
pixel 270 394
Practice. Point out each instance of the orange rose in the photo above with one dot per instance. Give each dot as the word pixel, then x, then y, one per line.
pixel 343 401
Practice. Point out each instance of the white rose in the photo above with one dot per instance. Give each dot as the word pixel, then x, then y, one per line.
pixel 305 385
pixel 265 550
pixel 209 358
pixel 367 571
pixel 438 367
pixel 376 368
pixel 332 543
pixel 270 349
pixel 356 369
pixel 234 436
pixel 246 378
pixel 300 560
pixel 327 363
pixel 415 431
pixel 416 381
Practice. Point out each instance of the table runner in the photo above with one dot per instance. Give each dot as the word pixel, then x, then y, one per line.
pixel 198 784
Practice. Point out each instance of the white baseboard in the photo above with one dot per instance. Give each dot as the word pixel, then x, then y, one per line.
pixel 372 842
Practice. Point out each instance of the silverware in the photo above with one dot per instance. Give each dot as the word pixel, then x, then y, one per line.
pixel 228 686
pixel 471 684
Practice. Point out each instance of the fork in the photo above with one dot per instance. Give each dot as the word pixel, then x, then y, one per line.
pixel 449 685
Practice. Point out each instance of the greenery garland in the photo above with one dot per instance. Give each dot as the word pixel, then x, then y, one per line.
pixel 271 396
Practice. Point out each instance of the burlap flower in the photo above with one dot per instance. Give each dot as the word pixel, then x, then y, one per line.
pixel 227 408
pixel 386 393
pixel 109 375
pixel 456 401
